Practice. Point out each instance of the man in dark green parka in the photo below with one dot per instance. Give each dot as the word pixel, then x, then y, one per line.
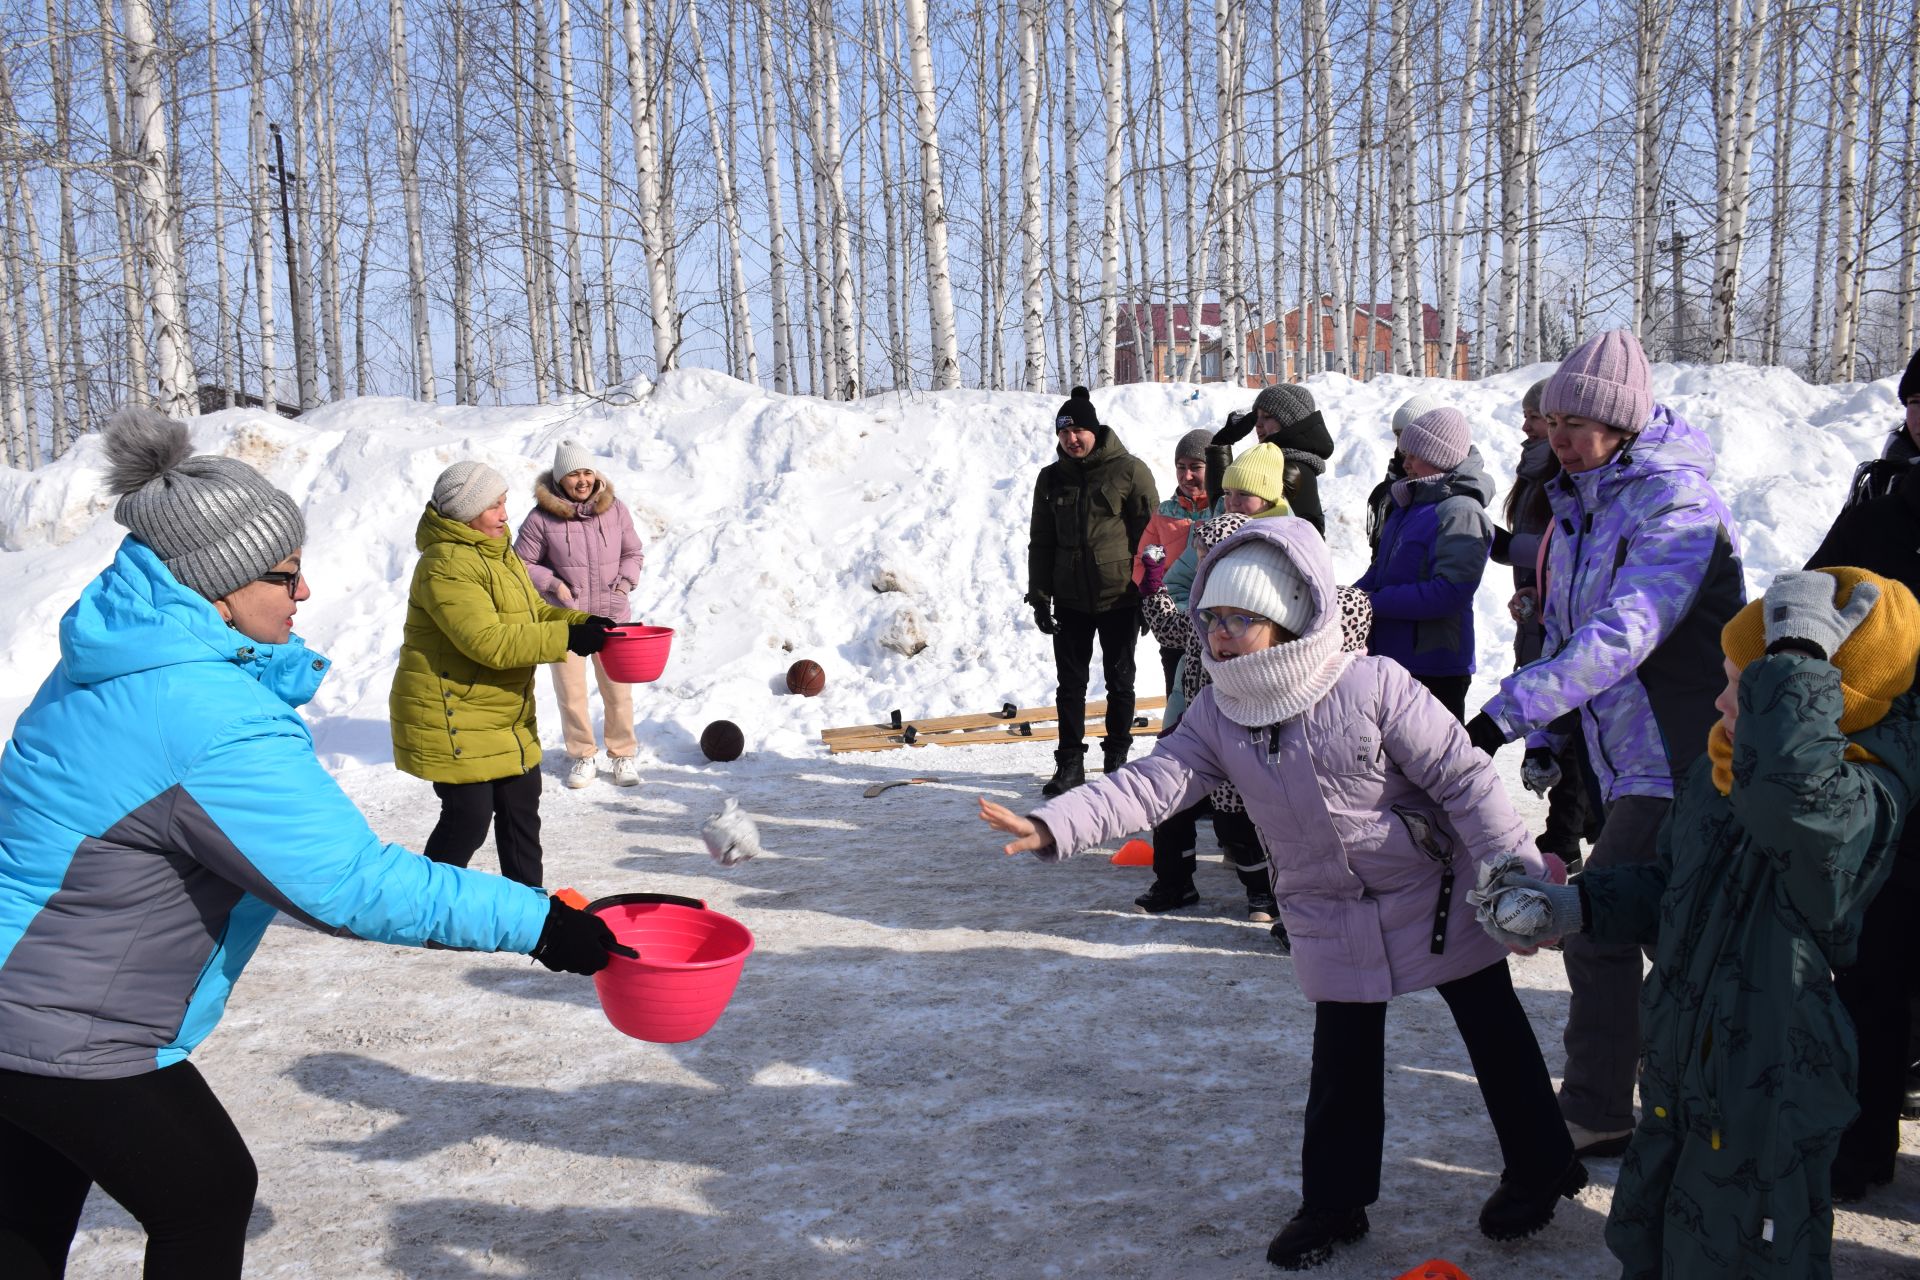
pixel 1090 506
pixel 1777 841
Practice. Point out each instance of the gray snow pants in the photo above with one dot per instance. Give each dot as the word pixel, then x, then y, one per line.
pixel 1603 1014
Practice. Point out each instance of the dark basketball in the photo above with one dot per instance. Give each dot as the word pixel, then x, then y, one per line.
pixel 806 678
pixel 722 741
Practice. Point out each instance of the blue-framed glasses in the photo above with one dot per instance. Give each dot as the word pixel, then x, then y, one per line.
pixel 1232 621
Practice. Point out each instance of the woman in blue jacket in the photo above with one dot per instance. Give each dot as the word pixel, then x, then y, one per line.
pixel 1432 553
pixel 159 801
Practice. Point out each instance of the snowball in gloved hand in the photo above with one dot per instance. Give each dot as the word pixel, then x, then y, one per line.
pixel 730 835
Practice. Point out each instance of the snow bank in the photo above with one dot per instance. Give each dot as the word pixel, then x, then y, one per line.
pixel 885 539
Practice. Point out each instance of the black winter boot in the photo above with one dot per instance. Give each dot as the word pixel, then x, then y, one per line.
pixel 1518 1208
pixel 1072 771
pixel 1113 753
pixel 1167 895
pixel 1308 1240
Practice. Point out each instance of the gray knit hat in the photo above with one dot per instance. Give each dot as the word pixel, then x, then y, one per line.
pixel 216 523
pixel 1193 445
pixel 570 457
pixel 1530 402
pixel 465 489
pixel 1412 407
pixel 1286 402
pixel 1438 436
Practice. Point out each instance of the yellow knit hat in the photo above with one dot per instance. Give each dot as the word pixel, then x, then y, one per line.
pixel 1876 662
pixel 1262 472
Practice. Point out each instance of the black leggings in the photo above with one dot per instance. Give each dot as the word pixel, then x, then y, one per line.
pixel 1346 1109
pixel 510 805
pixel 159 1143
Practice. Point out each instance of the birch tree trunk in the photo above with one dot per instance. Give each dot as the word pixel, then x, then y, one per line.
pixel 579 307
pixel 1189 111
pixel 946 346
pixel 1400 145
pixel 1817 314
pixel 1786 101
pixel 176 387
pixel 222 288
pixel 1140 289
pixel 526 180
pixel 327 170
pixel 35 268
pixel 776 235
pixel 846 320
pixel 1110 209
pixel 1527 124
pixel 464 388
pixel 1032 250
pixel 744 355
pixel 545 127
pixel 300 298
pixel 263 252
pixel 1737 100
pixel 880 59
pixel 609 318
pixel 1221 206
pixel 1905 304
pixel 132 287
pixel 13 377
pixel 653 246
pixel 1653 19
pixel 1314 13
pixel 59 53
pixel 1846 301
pixel 989 300
pixel 1455 237
pixel 406 156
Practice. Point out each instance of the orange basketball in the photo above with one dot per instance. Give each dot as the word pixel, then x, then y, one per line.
pixel 806 678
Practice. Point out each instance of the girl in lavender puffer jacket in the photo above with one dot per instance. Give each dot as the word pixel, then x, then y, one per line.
pixel 582 552
pixel 1376 812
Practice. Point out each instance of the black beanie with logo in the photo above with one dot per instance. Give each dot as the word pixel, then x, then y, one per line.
pixel 1077 413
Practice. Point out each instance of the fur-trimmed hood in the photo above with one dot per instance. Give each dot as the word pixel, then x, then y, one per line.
pixel 561 507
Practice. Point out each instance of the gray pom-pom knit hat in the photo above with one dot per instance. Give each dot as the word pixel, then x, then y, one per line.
pixel 216 523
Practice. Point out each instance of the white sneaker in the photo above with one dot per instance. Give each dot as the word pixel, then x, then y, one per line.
pixel 583 772
pixel 626 772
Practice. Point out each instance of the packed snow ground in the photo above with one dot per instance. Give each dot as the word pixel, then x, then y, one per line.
pixel 940 1061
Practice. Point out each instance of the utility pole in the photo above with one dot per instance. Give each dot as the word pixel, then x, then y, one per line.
pixel 1676 244
pixel 304 370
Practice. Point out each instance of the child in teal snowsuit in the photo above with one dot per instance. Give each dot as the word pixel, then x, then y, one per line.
pixel 1777 841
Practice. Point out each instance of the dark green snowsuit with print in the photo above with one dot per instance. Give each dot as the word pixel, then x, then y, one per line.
pixel 1748 1068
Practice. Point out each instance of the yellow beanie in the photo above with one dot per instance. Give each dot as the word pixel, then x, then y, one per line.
pixel 1876 662
pixel 1262 472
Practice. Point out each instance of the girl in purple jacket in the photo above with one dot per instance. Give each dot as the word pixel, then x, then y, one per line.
pixel 582 552
pixel 1376 812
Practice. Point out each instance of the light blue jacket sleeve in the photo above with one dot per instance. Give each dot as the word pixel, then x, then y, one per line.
pixel 1179 580
pixel 256 808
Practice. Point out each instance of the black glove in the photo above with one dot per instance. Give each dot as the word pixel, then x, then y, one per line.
pixel 1486 735
pixel 1502 545
pixel 575 941
pixel 1043 617
pixel 589 637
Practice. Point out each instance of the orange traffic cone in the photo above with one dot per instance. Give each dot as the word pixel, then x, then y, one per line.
pixel 1134 853
pixel 1434 1269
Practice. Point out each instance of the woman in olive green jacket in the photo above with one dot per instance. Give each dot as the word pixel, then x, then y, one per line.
pixel 462 700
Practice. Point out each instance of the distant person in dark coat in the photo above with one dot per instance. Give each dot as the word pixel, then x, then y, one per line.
pixel 1283 416
pixel 1090 507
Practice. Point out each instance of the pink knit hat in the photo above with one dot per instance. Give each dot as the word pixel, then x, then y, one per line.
pixel 1438 436
pixel 1606 379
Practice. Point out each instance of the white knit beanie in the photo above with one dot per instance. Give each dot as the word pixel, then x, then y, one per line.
pixel 570 457
pixel 1257 576
pixel 465 489
pixel 1412 407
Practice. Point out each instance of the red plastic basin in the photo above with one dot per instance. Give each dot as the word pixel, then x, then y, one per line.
pixel 690 962
pixel 635 654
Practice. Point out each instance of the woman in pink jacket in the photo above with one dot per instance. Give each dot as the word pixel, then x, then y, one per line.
pixel 1375 810
pixel 582 552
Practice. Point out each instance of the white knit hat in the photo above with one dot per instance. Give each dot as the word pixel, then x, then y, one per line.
pixel 465 489
pixel 570 457
pixel 1257 576
pixel 1412 407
